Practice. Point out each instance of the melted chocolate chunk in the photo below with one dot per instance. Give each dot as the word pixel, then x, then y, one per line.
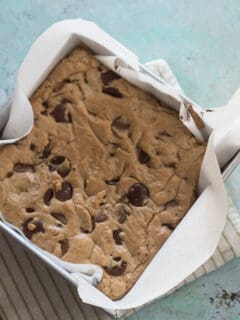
pixel 116 270
pixel 20 167
pixel 45 104
pixel 51 168
pixel 117 259
pixel 46 151
pixel 112 92
pixel 109 76
pixel 63 171
pixel 64 246
pixel 59 114
pixel 116 236
pixel 137 194
pixel 9 174
pixel 32 226
pixel 84 230
pixel 59 216
pixel 48 196
pixel 56 163
pixel 143 157
pixel 57 160
pixel 32 146
pixel 65 193
pixel 101 217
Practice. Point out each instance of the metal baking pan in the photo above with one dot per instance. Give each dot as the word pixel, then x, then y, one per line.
pixel 4 112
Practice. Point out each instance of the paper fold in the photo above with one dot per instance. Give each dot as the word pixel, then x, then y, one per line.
pixel 187 248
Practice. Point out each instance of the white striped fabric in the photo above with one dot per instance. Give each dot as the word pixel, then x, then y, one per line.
pixel 31 291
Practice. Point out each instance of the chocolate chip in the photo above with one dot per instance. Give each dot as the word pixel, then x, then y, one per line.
pixel 20 167
pixel 116 270
pixel 59 114
pixel 117 237
pixel 59 216
pixel 9 174
pixel 113 181
pixel 32 146
pixel 100 68
pixel 64 246
pixel 171 204
pixel 101 217
pixel 120 124
pixel 112 92
pixel 57 160
pixel 84 230
pixel 137 194
pixel 45 104
pixel 65 193
pixel 45 113
pixel 32 226
pixel 48 196
pixel 63 171
pixel 51 168
pixel 143 157
pixel 117 259
pixel 58 163
pixel 46 151
pixel 109 76
pixel 29 210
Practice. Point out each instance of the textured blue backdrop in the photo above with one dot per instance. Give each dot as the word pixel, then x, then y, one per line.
pixel 200 40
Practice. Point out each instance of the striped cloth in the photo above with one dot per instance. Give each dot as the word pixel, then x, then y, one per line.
pixel 29 290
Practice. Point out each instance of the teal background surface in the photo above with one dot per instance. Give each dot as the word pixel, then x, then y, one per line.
pixel 200 40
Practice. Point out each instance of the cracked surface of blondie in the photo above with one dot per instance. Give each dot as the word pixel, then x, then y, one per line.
pixel 105 175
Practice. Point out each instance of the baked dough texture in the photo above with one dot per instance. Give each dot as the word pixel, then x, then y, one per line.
pixel 105 175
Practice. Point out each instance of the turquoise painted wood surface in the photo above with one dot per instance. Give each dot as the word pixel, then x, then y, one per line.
pixel 200 40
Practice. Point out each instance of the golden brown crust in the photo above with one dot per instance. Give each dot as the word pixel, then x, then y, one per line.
pixel 105 175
